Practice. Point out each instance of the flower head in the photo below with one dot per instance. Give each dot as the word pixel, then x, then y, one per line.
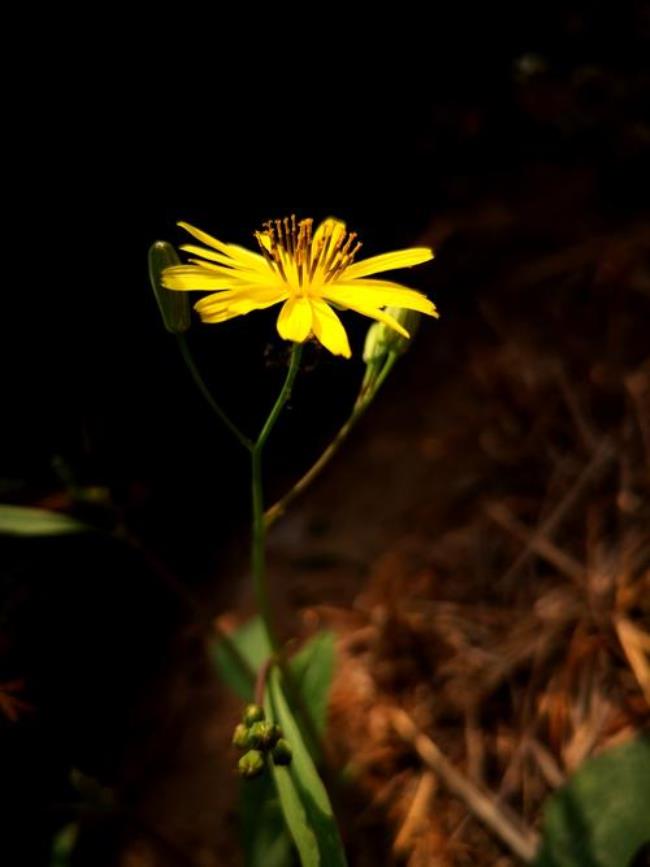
pixel 305 270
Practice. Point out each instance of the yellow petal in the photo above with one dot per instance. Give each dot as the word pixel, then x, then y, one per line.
pixel 192 278
pixel 229 297
pixel 207 254
pixel 329 329
pixel 295 320
pixel 377 293
pixel 248 259
pixel 204 238
pixel 389 262
pixel 221 316
pixel 331 225
pixel 217 310
pixel 241 256
pixel 369 310
pixel 238 276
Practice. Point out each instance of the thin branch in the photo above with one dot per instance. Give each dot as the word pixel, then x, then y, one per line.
pixel 593 469
pixel 537 542
pixel 207 394
pixel 520 839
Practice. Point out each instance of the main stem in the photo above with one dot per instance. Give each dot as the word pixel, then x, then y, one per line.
pixel 258 544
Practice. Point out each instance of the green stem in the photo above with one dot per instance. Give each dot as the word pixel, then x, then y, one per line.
pixel 258 557
pixel 366 396
pixel 205 391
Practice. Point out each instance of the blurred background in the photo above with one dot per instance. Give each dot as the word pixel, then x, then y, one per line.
pixel 519 150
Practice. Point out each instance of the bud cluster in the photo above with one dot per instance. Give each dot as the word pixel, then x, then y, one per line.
pixel 258 737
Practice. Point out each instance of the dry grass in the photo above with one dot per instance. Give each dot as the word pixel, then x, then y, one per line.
pixel 481 666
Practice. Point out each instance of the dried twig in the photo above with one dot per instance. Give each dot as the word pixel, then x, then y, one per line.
pixel 546 763
pixel 520 839
pixel 417 814
pixel 593 469
pixel 636 645
pixel 536 542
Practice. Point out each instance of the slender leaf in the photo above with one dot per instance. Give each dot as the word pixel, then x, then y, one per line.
pixel 27 521
pixel 305 777
pixel 252 646
pixel 267 835
pixel 311 669
pixel 63 845
pixel 265 838
pixel 293 809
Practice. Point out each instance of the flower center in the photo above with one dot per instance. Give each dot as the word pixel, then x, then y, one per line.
pixel 303 259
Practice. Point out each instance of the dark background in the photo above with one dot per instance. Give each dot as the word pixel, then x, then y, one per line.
pixel 122 135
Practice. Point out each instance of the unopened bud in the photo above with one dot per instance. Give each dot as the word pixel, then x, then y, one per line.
pixel 382 339
pixel 263 735
pixel 253 713
pixel 251 764
pixel 174 306
pixel 282 753
pixel 240 737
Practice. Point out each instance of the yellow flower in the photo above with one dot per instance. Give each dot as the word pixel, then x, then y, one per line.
pixel 308 271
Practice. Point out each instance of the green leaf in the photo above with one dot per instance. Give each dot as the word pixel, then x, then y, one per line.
pixel 267 835
pixel 601 817
pixel 63 845
pixel 311 669
pixel 305 777
pixel 292 807
pixel 265 838
pixel 251 645
pixel 26 521
pixel 296 818
pixel 174 306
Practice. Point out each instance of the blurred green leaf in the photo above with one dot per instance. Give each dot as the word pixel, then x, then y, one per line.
pixel 292 806
pixel 296 818
pixel 265 838
pixel 174 306
pixel 303 774
pixel 91 790
pixel 601 818
pixel 267 835
pixel 63 845
pixel 312 668
pixel 26 521
pixel 252 645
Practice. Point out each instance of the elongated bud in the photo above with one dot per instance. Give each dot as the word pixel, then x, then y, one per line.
pixel 240 737
pixel 174 306
pixel 282 753
pixel 253 713
pixel 381 339
pixel 263 735
pixel 251 764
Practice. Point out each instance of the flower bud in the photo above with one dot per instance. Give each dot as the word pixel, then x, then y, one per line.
pixel 282 753
pixel 382 339
pixel 263 735
pixel 240 737
pixel 174 306
pixel 251 764
pixel 253 713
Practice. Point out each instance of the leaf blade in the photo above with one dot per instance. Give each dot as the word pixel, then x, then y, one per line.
pixel 600 817
pixel 29 521
pixel 306 779
pixel 293 810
